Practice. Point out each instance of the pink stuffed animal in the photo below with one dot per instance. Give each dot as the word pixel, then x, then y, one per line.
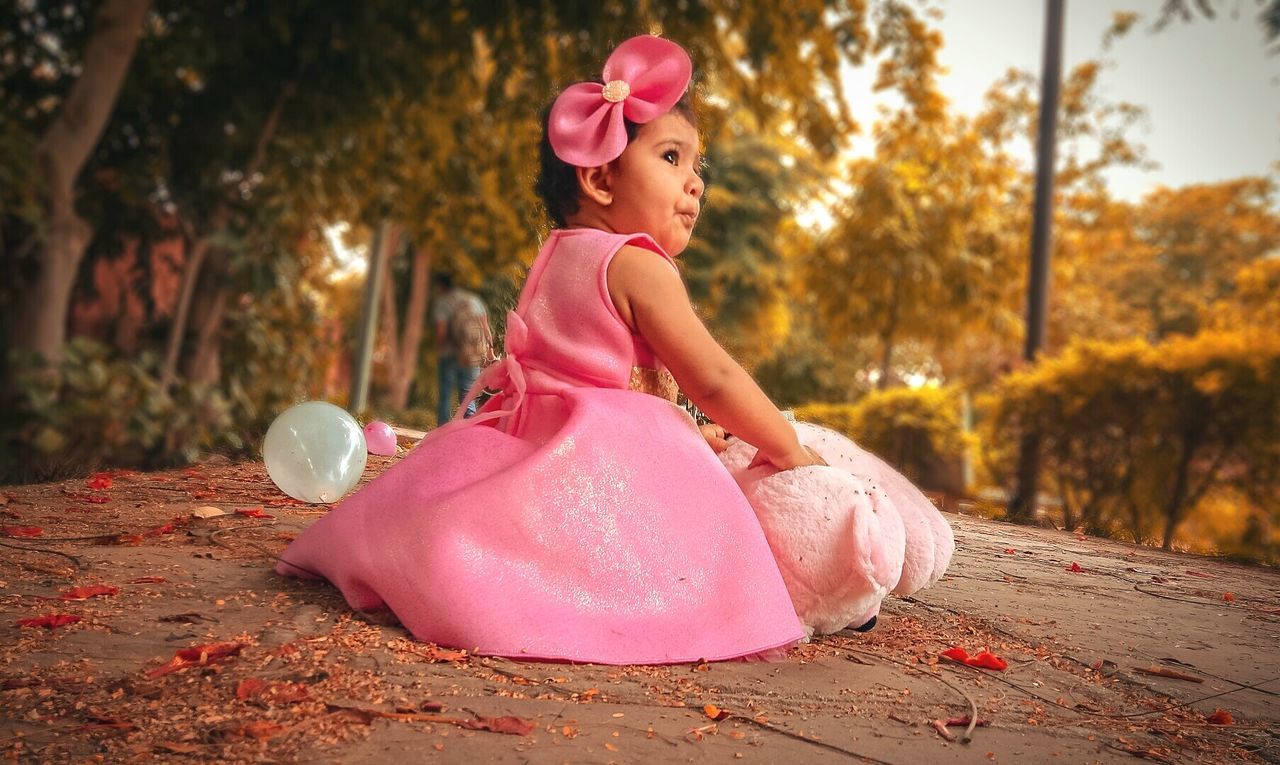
pixel 847 535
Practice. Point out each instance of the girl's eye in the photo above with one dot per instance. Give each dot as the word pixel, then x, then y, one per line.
pixel 672 156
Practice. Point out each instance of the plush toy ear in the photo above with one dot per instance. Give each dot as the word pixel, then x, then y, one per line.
pixel 596 184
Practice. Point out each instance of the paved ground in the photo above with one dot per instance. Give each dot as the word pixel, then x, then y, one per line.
pixel 282 671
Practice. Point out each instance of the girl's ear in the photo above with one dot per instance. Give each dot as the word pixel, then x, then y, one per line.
pixel 596 184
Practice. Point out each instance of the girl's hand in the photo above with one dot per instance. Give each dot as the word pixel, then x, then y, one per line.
pixel 717 439
pixel 800 458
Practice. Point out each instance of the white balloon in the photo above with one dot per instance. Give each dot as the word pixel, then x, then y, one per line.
pixel 314 452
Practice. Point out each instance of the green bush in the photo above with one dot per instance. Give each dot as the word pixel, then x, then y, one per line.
pixel 917 430
pixel 806 368
pixel 93 410
pixel 1134 435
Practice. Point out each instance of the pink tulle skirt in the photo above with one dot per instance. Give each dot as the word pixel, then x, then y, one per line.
pixel 601 529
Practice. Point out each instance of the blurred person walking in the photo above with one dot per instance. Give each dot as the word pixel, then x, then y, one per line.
pixel 464 343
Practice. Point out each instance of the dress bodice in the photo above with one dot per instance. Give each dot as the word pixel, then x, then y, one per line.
pixel 574 335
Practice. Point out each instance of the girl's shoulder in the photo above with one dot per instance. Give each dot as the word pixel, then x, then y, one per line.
pixel 607 241
pixel 641 275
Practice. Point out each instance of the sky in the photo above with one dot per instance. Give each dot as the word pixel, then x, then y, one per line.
pixel 1211 90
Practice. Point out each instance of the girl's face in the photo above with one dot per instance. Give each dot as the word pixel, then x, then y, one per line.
pixel 656 186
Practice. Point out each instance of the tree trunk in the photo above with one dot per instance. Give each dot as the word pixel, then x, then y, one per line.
pixel 886 358
pixel 888 331
pixel 410 342
pixel 202 249
pixel 204 365
pixel 1069 519
pixel 39 319
pixel 1178 495
pixel 367 328
pixel 191 269
pixel 390 318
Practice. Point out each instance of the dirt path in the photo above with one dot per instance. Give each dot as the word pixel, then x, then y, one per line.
pixel 283 671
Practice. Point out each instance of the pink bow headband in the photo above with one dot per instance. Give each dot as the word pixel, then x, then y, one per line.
pixel 643 78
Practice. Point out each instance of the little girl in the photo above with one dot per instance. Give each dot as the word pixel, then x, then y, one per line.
pixel 580 515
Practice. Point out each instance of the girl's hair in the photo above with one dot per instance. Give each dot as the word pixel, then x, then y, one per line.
pixel 557 184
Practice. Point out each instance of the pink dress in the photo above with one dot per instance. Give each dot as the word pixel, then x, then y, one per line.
pixel 572 518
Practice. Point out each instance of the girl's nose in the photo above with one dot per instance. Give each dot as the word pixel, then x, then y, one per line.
pixel 696 185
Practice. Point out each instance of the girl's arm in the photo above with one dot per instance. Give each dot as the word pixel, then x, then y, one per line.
pixel 652 300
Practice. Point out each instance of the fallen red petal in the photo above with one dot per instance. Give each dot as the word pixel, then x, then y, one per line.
pixel 253 512
pixel 92 591
pixel 1221 717
pixel 99 482
pixel 166 528
pixel 988 660
pixel 983 659
pixel 49 621
pixel 1075 568
pixel 197 656
pixel 21 531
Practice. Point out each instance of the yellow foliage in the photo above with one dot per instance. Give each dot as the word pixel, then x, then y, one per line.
pixel 1179 260
pixel 1227 522
pixel 1217 522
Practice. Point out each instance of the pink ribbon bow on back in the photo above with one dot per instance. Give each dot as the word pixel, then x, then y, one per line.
pixel 506 375
pixel 643 78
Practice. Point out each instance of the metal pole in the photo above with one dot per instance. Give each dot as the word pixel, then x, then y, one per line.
pixel 368 329
pixel 1022 506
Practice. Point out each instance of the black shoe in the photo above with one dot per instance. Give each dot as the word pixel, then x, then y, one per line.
pixel 871 623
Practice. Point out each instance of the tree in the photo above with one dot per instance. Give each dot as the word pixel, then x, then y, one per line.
pixel 922 237
pixel 1138 433
pixel 738 265
pixel 245 151
pixel 1159 267
pixel 291 77
pixel 38 305
pixel 1268 15
pixel 935 224
pixel 404 343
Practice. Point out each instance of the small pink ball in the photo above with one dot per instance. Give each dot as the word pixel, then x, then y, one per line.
pixel 380 438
